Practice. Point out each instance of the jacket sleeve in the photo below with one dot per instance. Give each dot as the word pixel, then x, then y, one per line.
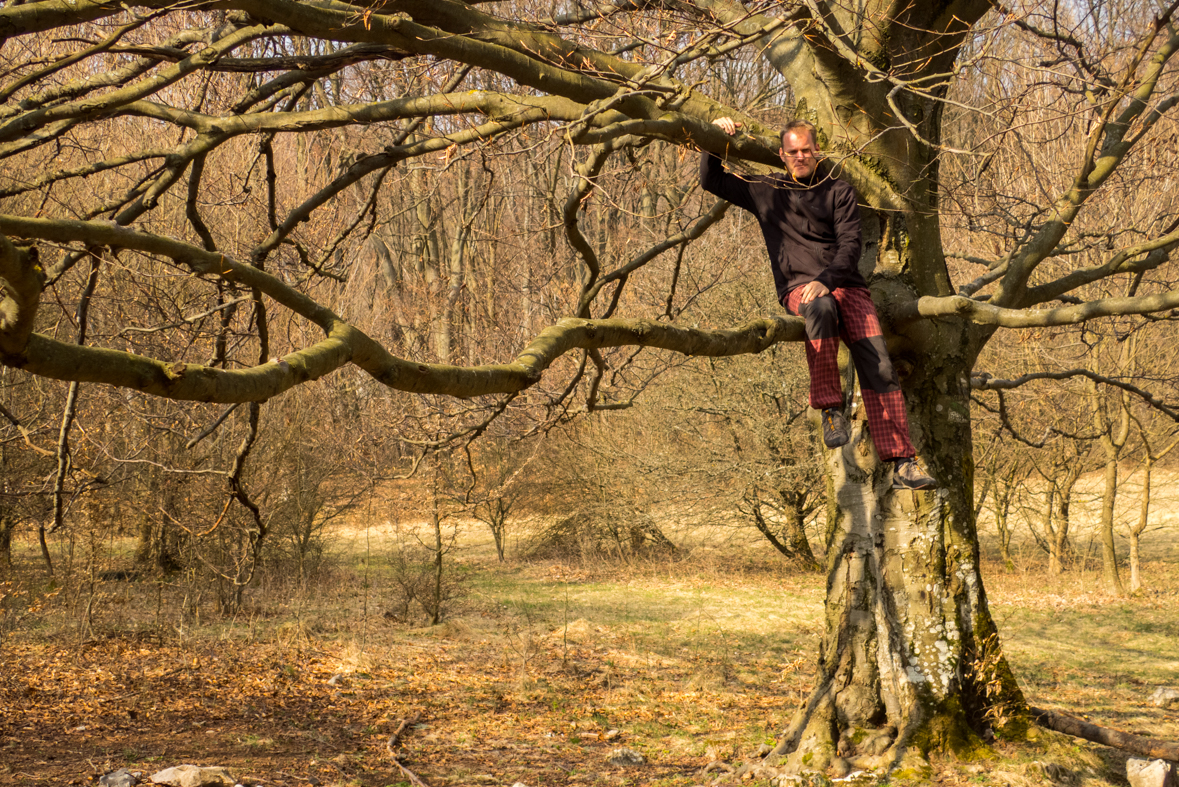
pixel 725 185
pixel 848 243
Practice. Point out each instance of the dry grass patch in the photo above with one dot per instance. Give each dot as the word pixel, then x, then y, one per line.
pixel 690 659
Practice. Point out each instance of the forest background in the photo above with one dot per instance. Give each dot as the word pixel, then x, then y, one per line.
pixel 208 191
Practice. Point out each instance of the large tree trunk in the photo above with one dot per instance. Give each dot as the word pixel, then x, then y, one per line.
pixel 910 660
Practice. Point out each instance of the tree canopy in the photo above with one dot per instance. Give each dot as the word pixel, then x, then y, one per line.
pixel 250 147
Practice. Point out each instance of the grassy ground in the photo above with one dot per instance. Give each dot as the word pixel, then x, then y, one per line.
pixel 540 671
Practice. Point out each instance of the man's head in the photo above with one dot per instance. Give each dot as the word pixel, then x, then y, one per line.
pixel 800 148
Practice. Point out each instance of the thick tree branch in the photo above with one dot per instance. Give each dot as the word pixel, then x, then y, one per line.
pixel 987 314
pixel 987 383
pixel 325 63
pixel 102 233
pixel 490 104
pixel 191 382
pixel 58 360
pixel 1107 147
pixel 37 17
pixel 1136 259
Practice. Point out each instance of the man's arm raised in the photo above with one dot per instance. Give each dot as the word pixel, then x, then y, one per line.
pixel 714 178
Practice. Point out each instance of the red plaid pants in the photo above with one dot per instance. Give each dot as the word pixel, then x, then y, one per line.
pixel 849 314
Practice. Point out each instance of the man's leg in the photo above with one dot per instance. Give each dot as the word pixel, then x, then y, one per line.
pixel 851 315
pixel 822 360
pixel 822 347
pixel 884 403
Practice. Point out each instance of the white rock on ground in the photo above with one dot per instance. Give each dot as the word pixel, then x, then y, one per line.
pixel 194 776
pixel 1164 697
pixel 123 777
pixel 1149 773
pixel 625 758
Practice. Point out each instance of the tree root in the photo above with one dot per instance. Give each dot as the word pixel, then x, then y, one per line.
pixel 1135 744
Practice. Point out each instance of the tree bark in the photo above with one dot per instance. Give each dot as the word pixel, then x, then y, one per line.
pixel 793 529
pixel 1054 533
pixel 910 660
pixel 1112 439
pixel 1137 530
pixel 7 528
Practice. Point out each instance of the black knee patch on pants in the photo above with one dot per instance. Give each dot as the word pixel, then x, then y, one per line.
pixel 822 318
pixel 870 355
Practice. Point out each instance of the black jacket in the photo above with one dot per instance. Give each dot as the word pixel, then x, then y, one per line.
pixel 812 229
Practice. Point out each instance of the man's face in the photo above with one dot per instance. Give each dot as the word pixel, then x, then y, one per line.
pixel 799 154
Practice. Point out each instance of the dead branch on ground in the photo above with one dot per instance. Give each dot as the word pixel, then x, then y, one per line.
pixel 1106 736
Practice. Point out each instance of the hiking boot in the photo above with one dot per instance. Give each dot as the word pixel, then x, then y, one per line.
pixel 834 428
pixel 907 474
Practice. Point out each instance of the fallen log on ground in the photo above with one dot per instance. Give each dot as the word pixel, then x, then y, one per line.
pixel 1078 728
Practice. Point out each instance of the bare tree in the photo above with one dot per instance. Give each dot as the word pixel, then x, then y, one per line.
pixel 1004 478
pixel 180 142
pixel 1152 456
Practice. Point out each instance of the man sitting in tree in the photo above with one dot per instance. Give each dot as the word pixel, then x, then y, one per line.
pixel 811 224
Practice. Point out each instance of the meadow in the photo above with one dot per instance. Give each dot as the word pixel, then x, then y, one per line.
pixel 539 671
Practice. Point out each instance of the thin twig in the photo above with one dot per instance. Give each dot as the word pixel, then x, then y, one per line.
pixel 213 426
